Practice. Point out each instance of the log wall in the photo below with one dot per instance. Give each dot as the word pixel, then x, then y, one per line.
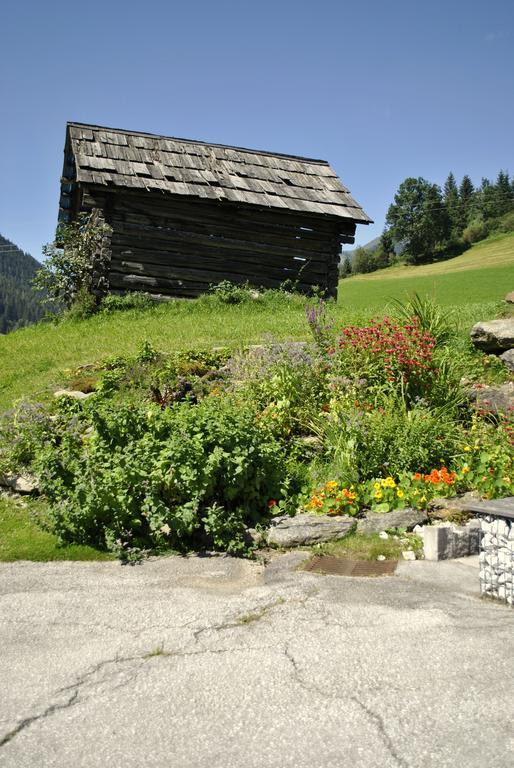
pixel 179 247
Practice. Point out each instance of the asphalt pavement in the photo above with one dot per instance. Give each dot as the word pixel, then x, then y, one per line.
pixel 227 663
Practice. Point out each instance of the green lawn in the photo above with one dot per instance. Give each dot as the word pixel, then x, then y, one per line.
pixel 21 538
pixel 34 359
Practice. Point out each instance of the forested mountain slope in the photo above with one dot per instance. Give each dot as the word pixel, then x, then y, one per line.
pixel 18 302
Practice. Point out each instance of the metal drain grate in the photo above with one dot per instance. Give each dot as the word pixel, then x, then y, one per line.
pixel 339 567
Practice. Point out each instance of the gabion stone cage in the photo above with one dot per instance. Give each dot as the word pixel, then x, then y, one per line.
pixel 497 558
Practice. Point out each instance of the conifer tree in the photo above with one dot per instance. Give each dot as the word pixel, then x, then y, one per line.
pixel 451 201
pixel 466 192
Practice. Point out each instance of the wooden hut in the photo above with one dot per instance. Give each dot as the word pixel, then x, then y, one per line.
pixel 187 214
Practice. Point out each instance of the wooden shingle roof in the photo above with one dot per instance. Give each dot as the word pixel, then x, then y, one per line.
pixel 108 156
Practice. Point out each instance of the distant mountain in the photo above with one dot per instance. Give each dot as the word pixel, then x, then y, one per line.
pixel 19 304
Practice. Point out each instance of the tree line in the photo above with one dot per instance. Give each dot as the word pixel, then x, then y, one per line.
pixel 428 223
pixel 19 304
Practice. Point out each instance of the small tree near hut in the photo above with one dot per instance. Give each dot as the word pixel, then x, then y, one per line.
pixel 74 264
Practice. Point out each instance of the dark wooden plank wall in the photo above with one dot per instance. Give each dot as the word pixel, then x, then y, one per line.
pixel 180 247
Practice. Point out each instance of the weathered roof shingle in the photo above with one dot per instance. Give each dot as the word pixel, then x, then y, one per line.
pixel 108 156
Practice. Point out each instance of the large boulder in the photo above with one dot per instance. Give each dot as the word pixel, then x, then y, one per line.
pixel 494 336
pixel 493 399
pixel 307 529
pixel 408 518
pixel 20 483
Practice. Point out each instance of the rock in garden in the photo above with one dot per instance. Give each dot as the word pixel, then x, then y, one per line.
pixel 22 483
pixel 254 537
pixel 75 394
pixel 494 335
pixel 508 359
pixel 509 298
pixel 307 529
pixel 375 522
pixel 441 508
pixel 493 399
pixel 408 554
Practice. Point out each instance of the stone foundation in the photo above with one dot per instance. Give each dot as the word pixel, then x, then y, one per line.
pixel 497 558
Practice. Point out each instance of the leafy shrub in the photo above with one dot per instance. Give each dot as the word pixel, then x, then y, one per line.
pixel 232 293
pixel 71 261
pixel 362 441
pixel 132 300
pixel 475 231
pixel 22 432
pixel 286 382
pixel 181 477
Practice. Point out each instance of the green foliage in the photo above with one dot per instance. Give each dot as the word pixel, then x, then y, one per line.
pixel 19 305
pixel 142 476
pixel 72 260
pixel 363 441
pixel 476 230
pixel 114 302
pixel 231 293
pixel 438 322
pixel 362 261
pixel 22 431
pixel 418 219
pixel 345 267
pixel 430 226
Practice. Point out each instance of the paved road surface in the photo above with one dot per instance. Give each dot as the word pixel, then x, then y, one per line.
pixel 215 663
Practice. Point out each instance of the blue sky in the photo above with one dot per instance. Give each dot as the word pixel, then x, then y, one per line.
pixel 383 90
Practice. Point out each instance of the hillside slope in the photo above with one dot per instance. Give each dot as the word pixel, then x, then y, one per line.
pixel 484 273
pixel 19 305
pixel 34 359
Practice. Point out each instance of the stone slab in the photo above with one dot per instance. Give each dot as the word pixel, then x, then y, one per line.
pixel 375 522
pixel 305 529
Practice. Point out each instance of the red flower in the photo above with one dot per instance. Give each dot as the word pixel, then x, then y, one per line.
pixel 272 503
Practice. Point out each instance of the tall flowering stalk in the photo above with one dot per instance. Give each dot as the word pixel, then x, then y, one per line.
pixel 321 324
pixel 388 352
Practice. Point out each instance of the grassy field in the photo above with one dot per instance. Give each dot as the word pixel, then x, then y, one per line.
pixel 34 359
pixel 21 538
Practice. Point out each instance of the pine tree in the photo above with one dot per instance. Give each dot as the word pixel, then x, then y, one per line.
pixel 451 201
pixel 504 195
pixel 466 193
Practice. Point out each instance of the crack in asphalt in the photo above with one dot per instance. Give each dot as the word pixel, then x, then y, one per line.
pixel 375 718
pixel 29 720
pixel 241 620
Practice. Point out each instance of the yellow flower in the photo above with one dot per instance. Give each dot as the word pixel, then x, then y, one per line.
pixel 378 495
pixel 331 485
pixel 467 448
pixel 400 493
pixel 465 469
